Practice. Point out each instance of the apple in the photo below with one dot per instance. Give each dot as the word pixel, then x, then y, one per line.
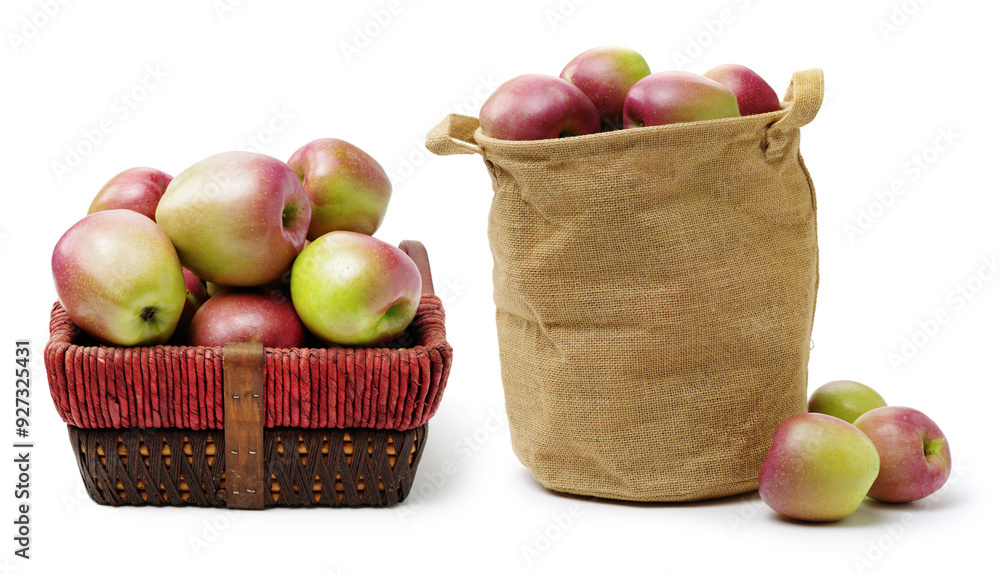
pixel 819 468
pixel 914 453
pixel 282 284
pixel 236 218
pixel 136 188
pixel 673 97
pixel 213 288
pixel 196 294
pixel 119 279
pixel 348 189
pixel 353 289
pixel 536 107
pixel 605 75
pixel 754 95
pixel 247 314
pixel 845 400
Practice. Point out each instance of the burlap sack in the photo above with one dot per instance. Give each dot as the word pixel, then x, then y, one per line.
pixel 655 291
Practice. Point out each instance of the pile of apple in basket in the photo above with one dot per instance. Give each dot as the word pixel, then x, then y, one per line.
pixel 284 249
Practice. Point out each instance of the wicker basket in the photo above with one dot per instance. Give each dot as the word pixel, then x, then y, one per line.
pixel 303 427
pixel 327 467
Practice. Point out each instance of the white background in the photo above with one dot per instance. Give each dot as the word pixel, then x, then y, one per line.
pixel 207 76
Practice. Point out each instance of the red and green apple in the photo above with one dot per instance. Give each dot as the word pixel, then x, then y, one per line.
pixel 352 289
pixel 119 278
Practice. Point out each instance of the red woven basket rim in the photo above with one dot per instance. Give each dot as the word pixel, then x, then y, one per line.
pixel 100 386
pixel 62 331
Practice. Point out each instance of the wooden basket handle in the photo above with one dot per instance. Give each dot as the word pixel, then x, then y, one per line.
pixel 418 253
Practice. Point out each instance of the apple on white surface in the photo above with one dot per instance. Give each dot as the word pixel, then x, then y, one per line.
pixel 819 468
pixel 348 189
pixel 352 289
pixel 845 400
pixel 119 279
pixel 137 188
pixel 247 314
pixel 236 218
pixel 915 456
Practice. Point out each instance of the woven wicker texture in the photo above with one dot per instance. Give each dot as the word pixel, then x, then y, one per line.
pixel 159 467
pixel 181 387
pixel 655 292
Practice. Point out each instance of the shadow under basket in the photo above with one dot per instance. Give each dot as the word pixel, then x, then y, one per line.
pixel 307 467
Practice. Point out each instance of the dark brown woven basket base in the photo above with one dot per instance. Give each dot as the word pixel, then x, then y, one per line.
pixel 307 467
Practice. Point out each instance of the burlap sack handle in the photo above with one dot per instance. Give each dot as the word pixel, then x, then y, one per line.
pixel 454 135
pixel 801 104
